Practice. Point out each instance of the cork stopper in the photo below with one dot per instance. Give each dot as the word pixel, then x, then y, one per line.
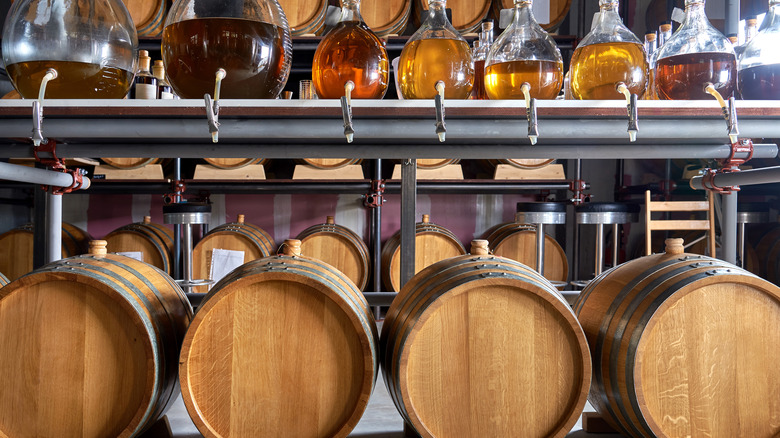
pixel 240 219
pixel 329 220
pixel 751 21
pixel 291 247
pixel 97 247
pixel 674 246
pixel 479 247
pixel 144 61
pixel 650 36
pixel 426 218
pixel 147 219
pixel 734 39
pixel 158 69
pixel 666 27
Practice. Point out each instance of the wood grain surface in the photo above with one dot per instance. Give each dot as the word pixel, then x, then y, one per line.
pixel 339 247
pixel 16 248
pixel 478 346
pixel 467 15
pixel 518 242
pixel 153 241
pixel 285 346
pixel 330 163
pixel 386 17
pixel 559 9
pixel 305 16
pixel 129 163
pixel 684 345
pixel 234 163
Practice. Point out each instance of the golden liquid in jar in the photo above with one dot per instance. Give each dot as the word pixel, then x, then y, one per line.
pixel 350 52
pixel 75 80
pixel 250 52
pixel 683 77
pixel 504 80
pixel 425 62
pixel 479 92
pixel 596 70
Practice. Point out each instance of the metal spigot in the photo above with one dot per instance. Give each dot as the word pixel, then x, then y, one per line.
pixel 729 111
pixel 346 110
pixel 212 106
pixel 631 107
pixel 37 108
pixel 441 129
pixel 530 113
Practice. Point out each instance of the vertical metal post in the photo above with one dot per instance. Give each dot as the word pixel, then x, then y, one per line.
pixel 376 234
pixel 728 227
pixel 177 274
pixel 187 238
pixel 615 244
pixel 576 236
pixel 599 248
pixel 741 243
pixel 408 217
pixel 540 249
pixel 39 227
pixel 53 227
pixel 732 17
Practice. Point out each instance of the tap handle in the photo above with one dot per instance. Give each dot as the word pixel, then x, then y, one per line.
pixel 441 128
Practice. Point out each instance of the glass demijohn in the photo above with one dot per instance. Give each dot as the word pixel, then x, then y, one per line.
pixel 696 54
pixel 481 49
pixel 92 44
pixel 249 39
pixel 759 65
pixel 524 52
pixel 436 52
pixel 350 52
pixel 607 55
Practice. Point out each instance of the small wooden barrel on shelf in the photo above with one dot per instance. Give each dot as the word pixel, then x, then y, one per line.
pixel 521 163
pixel 517 241
pixel 768 252
pixel 479 345
pixel 558 10
pixel 129 163
pixel 305 16
pixel 432 244
pixel 674 336
pixel 339 247
pixel 298 335
pixel 234 163
pixel 248 239
pixel 16 248
pixel 467 15
pixel 98 338
pixel 148 16
pixel 386 17
pixel 145 241
pixel 330 163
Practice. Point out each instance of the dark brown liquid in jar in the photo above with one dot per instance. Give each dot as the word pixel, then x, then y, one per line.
pixel 683 77
pixel 761 82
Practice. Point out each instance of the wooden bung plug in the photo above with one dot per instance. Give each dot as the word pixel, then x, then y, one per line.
pixel 329 220
pixel 426 218
pixel 479 247
pixel 97 247
pixel 240 219
pixel 291 247
pixel 674 246
pixel 147 220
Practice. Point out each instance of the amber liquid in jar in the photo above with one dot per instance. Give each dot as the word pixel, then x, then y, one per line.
pixel 683 77
pixel 596 69
pixel 350 52
pixel 479 92
pixel 425 62
pixel 761 82
pixel 504 80
pixel 75 80
pixel 251 53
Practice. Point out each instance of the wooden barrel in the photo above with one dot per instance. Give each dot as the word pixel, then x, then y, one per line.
pixel 479 345
pixel 148 16
pixel 129 163
pixel 432 244
pixel 144 241
pixel 768 251
pixel 467 15
pixel 433 163
pixel 248 239
pixel 518 242
pixel 339 247
pixel 305 16
pixel 522 163
pixel 558 10
pixel 386 17
pixel 301 350
pixel 683 345
pixel 89 347
pixel 16 248
pixel 3 280
pixel 330 163
pixel 234 163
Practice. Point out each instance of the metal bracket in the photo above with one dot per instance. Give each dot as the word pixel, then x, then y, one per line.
pixel 56 163
pixel 578 187
pixel 742 146
pixel 376 197
pixel 78 181
pixel 179 187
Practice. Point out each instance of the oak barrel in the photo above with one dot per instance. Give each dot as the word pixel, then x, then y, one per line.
pixel 521 163
pixel 386 17
pixel 16 248
pixel 129 163
pixel 305 16
pixel 517 241
pixel 89 347
pixel 339 247
pixel 241 236
pixel 281 346
pixel 683 345
pixel 148 16
pixel 146 241
pixel 558 10
pixel 432 243
pixel 768 252
pixel 330 163
pixel 467 15
pixel 234 163
pixel 483 346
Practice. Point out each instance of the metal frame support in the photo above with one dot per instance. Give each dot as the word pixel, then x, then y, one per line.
pixel 408 218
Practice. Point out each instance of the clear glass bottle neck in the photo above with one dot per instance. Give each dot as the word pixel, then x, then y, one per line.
pixel 350 10
pixel 772 17
pixel 523 13
pixel 694 13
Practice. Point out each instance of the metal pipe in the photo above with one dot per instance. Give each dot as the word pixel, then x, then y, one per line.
pixel 728 228
pixel 187 238
pixel 615 244
pixel 177 261
pixel 732 17
pixel 599 248
pixel 540 249
pixel 26 174
pixel 53 227
pixel 376 233
pixel 742 178
pixel 576 231
pixel 408 218
pixel 741 243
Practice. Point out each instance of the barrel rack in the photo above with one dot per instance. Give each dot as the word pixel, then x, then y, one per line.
pixel 394 129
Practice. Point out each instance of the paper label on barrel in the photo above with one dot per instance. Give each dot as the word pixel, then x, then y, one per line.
pixel 223 261
pixel 145 91
pixel 138 255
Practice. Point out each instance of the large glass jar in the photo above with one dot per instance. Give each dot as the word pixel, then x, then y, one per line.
pixel 249 39
pixel 524 52
pixel 350 52
pixel 696 54
pixel 436 52
pixel 92 44
pixel 759 65
pixel 607 55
